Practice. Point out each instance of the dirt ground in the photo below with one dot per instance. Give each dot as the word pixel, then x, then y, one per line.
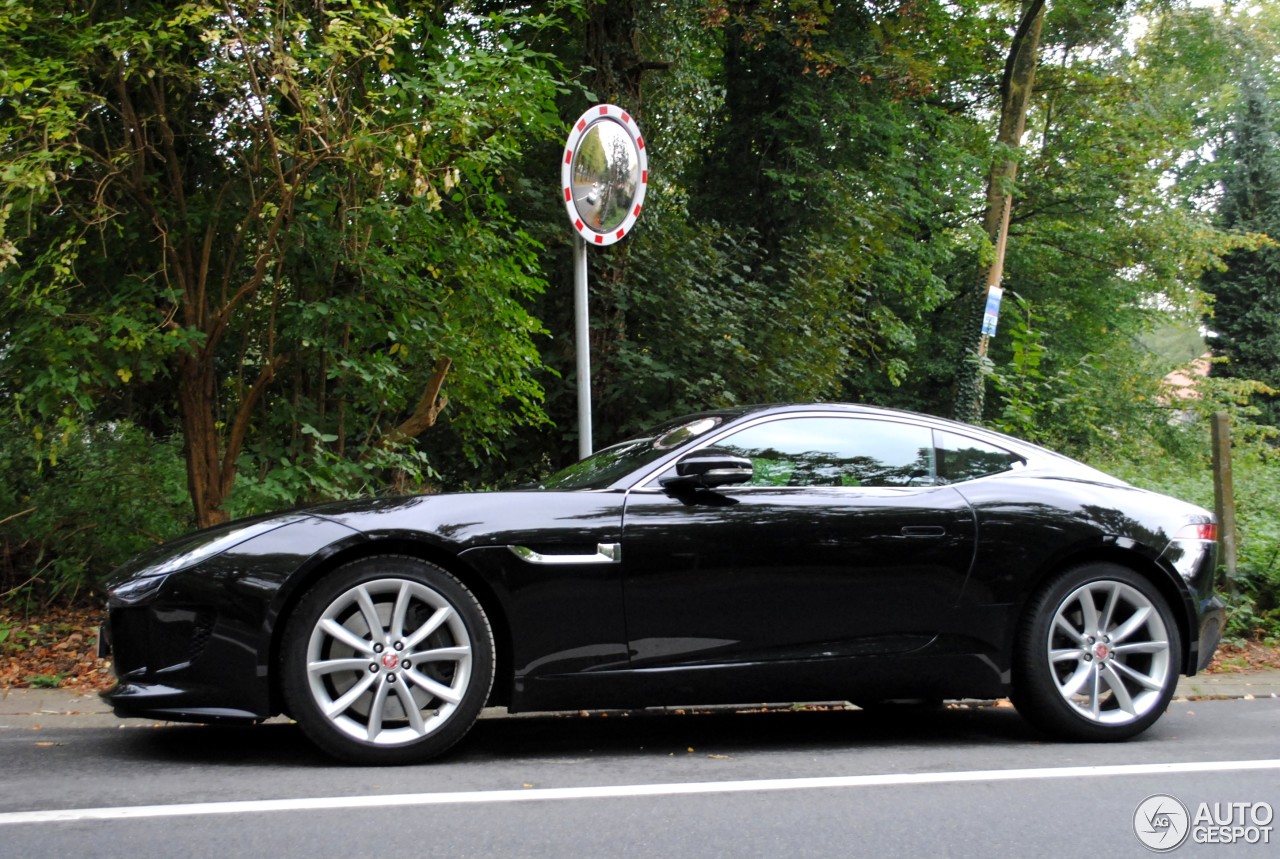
pixel 55 648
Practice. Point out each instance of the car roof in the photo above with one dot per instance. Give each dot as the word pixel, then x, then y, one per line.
pixel 859 409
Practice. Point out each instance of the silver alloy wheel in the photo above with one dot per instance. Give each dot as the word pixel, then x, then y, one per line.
pixel 388 661
pixel 1109 653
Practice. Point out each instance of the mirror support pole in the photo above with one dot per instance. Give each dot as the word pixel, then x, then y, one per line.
pixel 583 337
pixel 603 192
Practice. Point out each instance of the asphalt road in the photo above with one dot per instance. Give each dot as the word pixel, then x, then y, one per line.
pixel 961 782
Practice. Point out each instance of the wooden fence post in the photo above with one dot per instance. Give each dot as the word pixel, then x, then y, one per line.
pixel 1224 499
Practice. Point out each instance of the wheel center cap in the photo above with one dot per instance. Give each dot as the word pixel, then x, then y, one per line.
pixel 390 661
pixel 1100 651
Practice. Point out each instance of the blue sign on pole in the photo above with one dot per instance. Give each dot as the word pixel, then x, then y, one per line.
pixel 992 314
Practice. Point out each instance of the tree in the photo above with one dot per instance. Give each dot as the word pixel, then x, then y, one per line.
pixel 1108 233
pixel 831 178
pixel 1016 87
pixel 1246 291
pixel 281 223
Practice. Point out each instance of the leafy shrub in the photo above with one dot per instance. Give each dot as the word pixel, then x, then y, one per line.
pixel 1252 611
pixel 112 491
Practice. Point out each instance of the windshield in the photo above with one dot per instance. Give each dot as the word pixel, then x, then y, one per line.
pixel 602 468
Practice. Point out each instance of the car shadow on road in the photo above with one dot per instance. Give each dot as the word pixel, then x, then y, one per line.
pixel 728 731
pixel 634 733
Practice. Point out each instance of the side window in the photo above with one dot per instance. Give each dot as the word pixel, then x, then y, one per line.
pixel 835 452
pixel 961 458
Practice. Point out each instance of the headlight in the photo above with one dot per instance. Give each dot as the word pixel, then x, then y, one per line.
pixel 216 545
pixel 190 550
pixel 135 591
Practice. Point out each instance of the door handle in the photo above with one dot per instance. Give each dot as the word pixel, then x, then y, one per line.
pixel 606 553
pixel 923 531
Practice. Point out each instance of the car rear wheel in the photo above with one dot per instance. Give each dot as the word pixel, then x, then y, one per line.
pixel 1098 655
pixel 389 660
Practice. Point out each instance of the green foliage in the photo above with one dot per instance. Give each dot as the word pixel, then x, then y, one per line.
pixel 112 493
pixel 242 220
pixel 1246 289
pixel 13 637
pixel 252 235
pixel 1252 612
pixel 1100 405
pixel 1026 393
pixel 1104 241
pixel 808 169
pixel 1257 582
pixel 817 103
pixel 44 681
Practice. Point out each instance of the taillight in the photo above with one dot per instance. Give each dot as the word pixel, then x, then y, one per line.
pixel 1198 531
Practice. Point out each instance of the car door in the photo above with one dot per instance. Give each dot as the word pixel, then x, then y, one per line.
pixel 843 544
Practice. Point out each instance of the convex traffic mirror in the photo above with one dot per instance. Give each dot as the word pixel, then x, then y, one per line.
pixel 604 174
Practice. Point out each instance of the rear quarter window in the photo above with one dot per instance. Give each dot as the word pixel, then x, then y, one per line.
pixel 961 458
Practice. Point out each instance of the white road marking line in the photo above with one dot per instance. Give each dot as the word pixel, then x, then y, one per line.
pixel 620 791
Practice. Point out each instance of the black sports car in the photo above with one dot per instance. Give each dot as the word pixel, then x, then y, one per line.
pixel 769 553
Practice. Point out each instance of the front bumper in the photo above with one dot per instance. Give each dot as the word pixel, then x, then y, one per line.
pixel 183 664
pixel 170 704
pixel 195 643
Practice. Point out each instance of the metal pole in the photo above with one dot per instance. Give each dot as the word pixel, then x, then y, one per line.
pixel 582 334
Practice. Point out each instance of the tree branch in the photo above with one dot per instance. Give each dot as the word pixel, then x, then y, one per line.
pixel 429 407
pixel 241 425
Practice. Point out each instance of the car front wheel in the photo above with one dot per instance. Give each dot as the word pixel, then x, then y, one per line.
pixel 388 660
pixel 1098 655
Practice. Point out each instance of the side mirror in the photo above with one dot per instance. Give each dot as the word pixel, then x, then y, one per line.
pixel 708 468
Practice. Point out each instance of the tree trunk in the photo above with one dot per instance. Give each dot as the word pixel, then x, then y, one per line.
pixel 612 50
pixel 197 404
pixel 1015 96
pixel 612 53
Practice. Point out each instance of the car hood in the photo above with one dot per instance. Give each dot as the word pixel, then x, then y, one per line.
pixel 468 520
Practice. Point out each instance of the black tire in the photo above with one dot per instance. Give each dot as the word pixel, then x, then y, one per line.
pixel 387 690
pixel 1098 655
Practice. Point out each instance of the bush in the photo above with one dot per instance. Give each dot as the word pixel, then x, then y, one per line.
pixel 1252 611
pixel 112 491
